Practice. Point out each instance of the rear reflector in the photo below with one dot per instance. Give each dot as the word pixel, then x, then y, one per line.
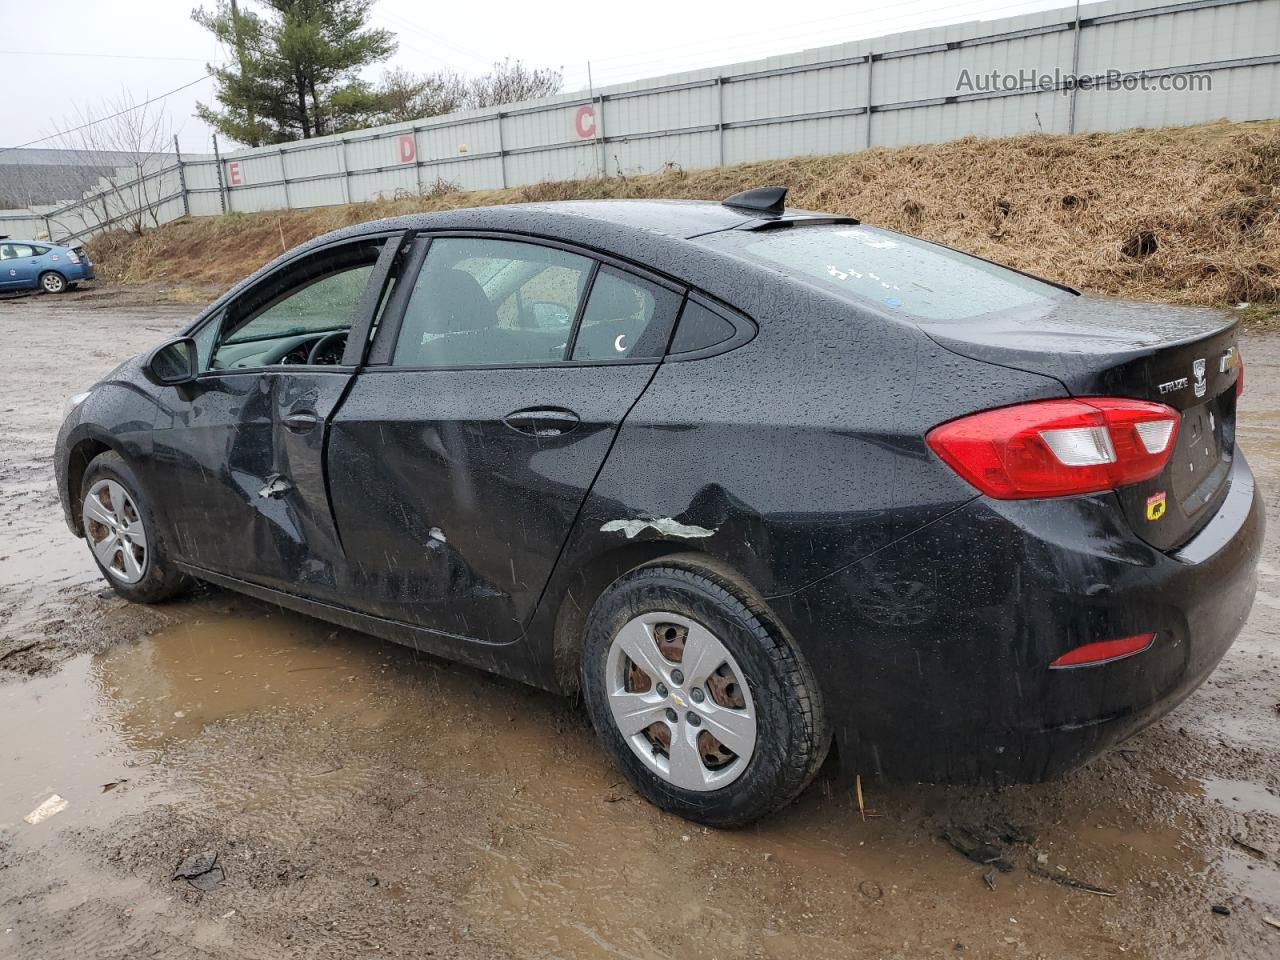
pixel 1240 377
pixel 1104 651
pixel 1057 448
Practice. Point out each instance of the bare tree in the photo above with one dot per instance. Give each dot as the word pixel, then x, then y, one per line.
pixel 402 95
pixel 130 136
pixel 511 81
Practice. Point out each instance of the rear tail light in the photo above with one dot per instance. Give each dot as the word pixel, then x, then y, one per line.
pixel 1104 651
pixel 1240 377
pixel 71 256
pixel 1056 448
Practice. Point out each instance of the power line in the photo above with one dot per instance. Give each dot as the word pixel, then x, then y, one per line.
pixel 107 56
pixel 118 113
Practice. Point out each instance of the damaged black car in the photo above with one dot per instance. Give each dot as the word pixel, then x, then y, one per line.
pixel 762 485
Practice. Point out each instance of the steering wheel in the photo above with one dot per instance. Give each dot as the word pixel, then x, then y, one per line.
pixel 328 340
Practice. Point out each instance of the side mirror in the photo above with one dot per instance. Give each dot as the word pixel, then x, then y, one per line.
pixel 174 363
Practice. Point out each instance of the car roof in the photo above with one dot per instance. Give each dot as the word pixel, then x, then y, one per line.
pixel 37 243
pixel 656 234
pixel 677 219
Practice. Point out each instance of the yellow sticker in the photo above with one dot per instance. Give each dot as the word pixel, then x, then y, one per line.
pixel 1155 506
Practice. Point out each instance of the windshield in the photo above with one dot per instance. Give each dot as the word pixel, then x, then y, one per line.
pixel 905 275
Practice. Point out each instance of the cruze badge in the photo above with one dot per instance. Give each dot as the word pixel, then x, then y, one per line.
pixel 1173 385
pixel 1198 369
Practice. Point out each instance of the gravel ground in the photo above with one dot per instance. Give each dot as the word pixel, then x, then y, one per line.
pixel 366 801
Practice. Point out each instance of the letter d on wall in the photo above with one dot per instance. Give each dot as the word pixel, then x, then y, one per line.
pixel 408 148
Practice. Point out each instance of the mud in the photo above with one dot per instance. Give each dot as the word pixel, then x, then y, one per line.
pixel 367 801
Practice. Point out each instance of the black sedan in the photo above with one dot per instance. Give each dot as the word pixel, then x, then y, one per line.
pixel 752 480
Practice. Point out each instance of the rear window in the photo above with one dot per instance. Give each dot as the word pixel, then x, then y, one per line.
pixel 905 275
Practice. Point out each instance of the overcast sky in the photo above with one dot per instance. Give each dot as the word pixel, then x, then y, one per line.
pixel 151 46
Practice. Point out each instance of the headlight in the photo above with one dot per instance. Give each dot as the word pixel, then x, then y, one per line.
pixel 73 402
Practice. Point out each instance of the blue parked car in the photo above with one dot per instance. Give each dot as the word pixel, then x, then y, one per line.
pixel 42 266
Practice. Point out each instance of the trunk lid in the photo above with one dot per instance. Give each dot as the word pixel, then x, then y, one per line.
pixel 1185 357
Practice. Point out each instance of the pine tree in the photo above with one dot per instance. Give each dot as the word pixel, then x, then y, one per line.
pixel 292 62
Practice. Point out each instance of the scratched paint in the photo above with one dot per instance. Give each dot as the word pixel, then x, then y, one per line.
pixel 665 526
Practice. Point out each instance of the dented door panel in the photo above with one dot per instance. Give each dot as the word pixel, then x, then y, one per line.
pixel 246 490
pixel 451 517
pixel 310 554
pixel 216 456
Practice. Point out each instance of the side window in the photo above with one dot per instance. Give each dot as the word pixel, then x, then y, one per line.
pixel 39 251
pixel 7 252
pixel 205 338
pixel 287 314
pixel 700 329
pixel 626 318
pixel 479 301
pixel 15 251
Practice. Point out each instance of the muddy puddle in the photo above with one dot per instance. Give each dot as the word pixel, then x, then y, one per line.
pixel 315 761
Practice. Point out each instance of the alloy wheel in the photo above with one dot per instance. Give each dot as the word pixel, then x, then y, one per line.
pixel 115 531
pixel 681 701
pixel 52 283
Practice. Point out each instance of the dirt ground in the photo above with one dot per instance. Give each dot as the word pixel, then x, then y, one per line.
pixel 366 801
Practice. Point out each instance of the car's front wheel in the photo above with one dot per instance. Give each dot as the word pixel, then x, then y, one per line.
pixel 702 700
pixel 124 534
pixel 52 282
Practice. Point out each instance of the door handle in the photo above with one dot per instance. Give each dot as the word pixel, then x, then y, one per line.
pixel 300 422
pixel 542 421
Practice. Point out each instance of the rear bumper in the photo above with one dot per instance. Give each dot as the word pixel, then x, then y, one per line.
pixel 934 652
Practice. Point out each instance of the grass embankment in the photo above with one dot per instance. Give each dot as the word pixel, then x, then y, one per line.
pixel 1188 215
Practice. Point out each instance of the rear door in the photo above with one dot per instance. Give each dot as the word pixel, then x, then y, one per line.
pixel 464 449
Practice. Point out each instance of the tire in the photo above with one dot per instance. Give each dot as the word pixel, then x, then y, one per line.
pixel 791 732
pixel 53 282
pixel 133 557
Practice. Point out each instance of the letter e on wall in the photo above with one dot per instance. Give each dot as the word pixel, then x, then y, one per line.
pixel 234 178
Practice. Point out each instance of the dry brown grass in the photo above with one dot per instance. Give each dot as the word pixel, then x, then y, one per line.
pixel 1188 215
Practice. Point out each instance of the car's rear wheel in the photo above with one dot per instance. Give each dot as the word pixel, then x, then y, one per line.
pixel 702 700
pixel 124 535
pixel 52 282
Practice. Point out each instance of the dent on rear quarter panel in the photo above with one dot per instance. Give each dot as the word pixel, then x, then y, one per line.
pixel 797 454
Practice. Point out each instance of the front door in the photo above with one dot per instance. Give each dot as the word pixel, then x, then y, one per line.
pixel 18 266
pixel 457 465
pixel 239 457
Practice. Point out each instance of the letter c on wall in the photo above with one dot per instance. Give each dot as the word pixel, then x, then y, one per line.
pixel 584 121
